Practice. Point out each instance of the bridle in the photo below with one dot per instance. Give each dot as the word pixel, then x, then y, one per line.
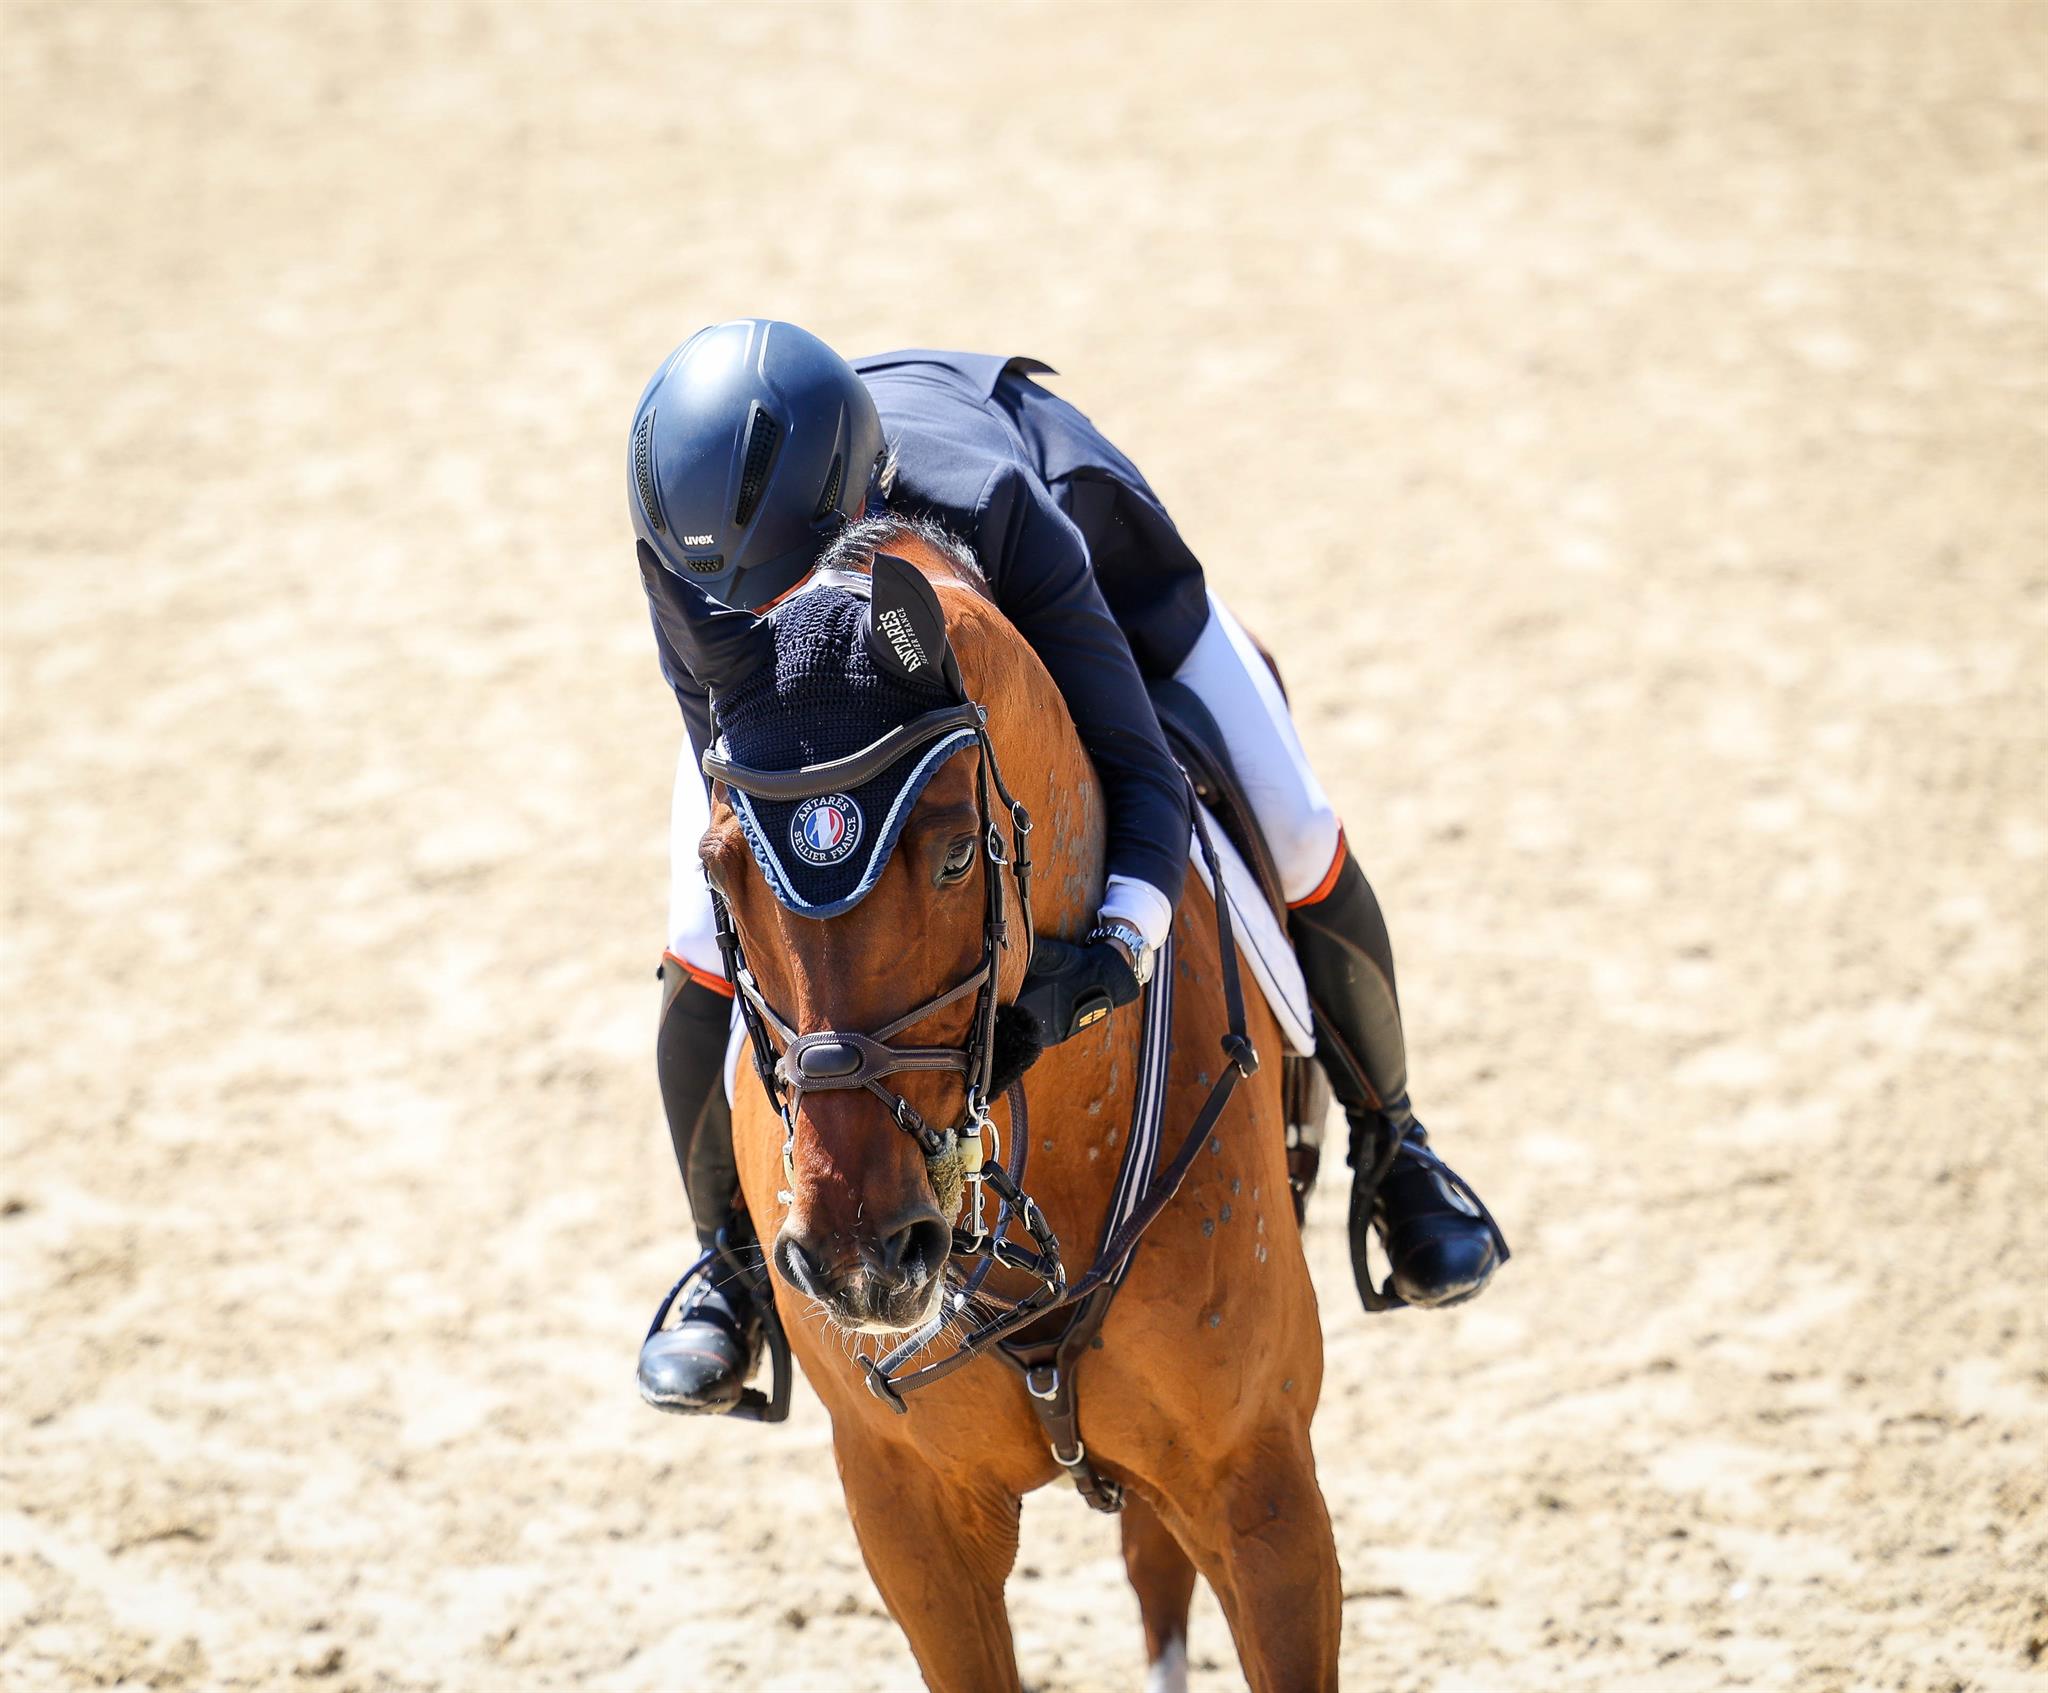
pixel 823 1060
pixel 720 644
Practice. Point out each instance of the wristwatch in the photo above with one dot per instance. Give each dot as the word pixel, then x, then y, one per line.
pixel 1131 941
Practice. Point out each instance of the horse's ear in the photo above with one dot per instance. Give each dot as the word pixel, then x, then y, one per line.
pixel 906 630
pixel 717 644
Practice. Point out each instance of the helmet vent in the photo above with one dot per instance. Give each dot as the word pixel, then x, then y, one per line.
pixel 830 497
pixel 643 471
pixel 762 434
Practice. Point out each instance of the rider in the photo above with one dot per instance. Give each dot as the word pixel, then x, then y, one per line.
pixel 752 448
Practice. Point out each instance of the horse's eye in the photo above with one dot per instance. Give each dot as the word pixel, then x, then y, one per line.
pixel 959 860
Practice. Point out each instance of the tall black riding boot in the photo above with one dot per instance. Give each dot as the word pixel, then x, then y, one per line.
pixel 1440 1241
pixel 701 1362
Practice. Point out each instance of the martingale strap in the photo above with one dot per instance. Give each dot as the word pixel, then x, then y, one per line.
pixel 1113 1256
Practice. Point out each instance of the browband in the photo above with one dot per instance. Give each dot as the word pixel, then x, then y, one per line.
pixel 850 771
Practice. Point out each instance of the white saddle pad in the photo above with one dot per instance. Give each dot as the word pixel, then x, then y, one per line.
pixel 1261 940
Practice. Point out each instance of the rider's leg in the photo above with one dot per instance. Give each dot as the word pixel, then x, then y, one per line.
pixel 1440 1248
pixel 701 1362
pixel 689 1064
pixel 696 1016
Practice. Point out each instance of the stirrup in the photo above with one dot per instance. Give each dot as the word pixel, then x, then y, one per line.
pixel 1365 1191
pixel 754 1406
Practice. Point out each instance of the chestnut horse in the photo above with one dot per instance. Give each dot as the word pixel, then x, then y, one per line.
pixel 1197 1397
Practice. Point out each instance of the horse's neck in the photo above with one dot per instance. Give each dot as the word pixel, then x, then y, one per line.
pixel 1049 771
pixel 1080 1092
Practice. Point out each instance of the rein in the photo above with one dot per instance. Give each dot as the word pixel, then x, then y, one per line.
pixel 831 1059
pixel 1137 1214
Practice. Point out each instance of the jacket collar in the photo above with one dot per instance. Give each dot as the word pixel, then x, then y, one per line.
pixel 981 371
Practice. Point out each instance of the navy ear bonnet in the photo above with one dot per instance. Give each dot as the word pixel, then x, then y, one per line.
pixel 829 694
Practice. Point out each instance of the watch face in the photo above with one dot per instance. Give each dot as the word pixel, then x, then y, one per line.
pixel 1141 954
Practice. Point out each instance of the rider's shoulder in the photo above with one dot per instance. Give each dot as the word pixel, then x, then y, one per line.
pixel 978 372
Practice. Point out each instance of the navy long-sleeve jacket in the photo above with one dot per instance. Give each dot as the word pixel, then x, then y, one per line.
pixel 1080 555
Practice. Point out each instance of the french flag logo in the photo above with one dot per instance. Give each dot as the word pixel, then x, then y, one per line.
pixel 826 829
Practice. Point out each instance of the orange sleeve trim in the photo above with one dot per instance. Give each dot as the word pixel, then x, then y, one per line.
pixel 703 978
pixel 1321 891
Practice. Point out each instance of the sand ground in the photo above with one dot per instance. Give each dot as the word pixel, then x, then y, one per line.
pixel 1627 421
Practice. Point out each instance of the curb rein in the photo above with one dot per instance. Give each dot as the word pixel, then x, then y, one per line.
pixel 829 1059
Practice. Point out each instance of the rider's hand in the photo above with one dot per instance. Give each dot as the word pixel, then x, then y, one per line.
pixel 1070 987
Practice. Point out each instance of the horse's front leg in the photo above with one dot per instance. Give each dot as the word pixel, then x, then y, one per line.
pixel 1258 1530
pixel 1165 1582
pixel 939 1546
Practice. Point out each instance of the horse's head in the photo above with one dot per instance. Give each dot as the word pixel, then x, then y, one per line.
pixel 861 896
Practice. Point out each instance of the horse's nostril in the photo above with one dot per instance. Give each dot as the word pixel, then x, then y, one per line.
pixel 802 1271
pixel 916 1248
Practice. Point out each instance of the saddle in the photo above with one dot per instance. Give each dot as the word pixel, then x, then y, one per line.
pixel 1196 741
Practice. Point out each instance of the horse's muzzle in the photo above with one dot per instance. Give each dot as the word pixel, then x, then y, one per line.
pixel 887 1283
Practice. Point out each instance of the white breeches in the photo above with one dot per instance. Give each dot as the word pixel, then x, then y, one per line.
pixel 1224 671
pixel 691 936
pixel 1230 676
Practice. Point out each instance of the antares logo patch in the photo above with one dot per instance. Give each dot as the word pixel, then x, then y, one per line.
pixel 896 629
pixel 825 830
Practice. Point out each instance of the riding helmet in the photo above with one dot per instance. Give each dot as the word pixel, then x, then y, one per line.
pixel 751 446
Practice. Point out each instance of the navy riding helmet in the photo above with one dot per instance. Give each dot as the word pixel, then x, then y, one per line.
pixel 751 446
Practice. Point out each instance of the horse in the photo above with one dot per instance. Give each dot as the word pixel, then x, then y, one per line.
pixel 1194 1409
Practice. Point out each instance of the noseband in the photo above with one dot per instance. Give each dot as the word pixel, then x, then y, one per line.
pixel 829 1060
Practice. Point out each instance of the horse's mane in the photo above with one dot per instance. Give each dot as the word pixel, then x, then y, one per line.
pixel 855 546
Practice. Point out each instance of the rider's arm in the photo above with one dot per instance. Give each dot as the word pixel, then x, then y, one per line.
pixel 696 703
pixel 1039 564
